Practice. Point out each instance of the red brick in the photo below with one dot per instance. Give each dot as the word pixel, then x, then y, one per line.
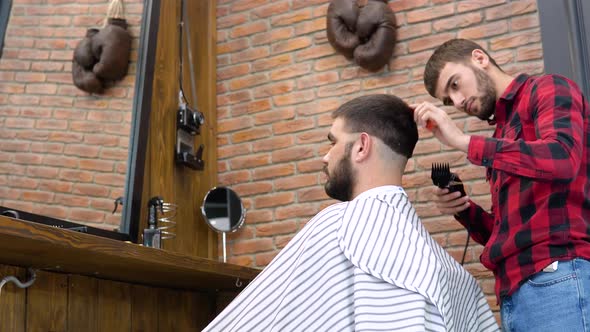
pixel 276 199
pixel 250 161
pixel 250 54
pixel 276 228
pixel 430 13
pixel 433 41
pixel 231 20
pixel 272 36
pixel 233 71
pixel 232 178
pixel 331 62
pixel 263 259
pixel 82 151
pixel 310 81
pixel 251 134
pixel 297 181
pixel 275 88
pixel 251 246
pixel 274 171
pixel 296 211
pixel 233 150
pixel 524 22
pixel 275 8
pixel 274 116
pixel 314 52
pixel 248 29
pixel 233 98
pixel 510 41
pixel 339 89
pixel 251 107
pixel 311 194
pixel 465 6
pixel 253 188
pixel 484 31
pixel 293 126
pixel 513 8
pixel 282 241
pixel 241 5
pixel 232 46
pixel 291 45
pixel 457 21
pixel 297 97
pixel 526 53
pixel 248 81
pixel 311 26
pixel 290 71
pixel 318 107
pixel 413 31
pixel 258 216
pixel 233 124
pixel 402 5
pixel 293 154
pixel 273 62
pixel 291 17
pixel 240 260
pixel 272 143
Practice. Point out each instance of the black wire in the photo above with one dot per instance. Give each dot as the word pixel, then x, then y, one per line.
pixel 180 50
pixel 465 250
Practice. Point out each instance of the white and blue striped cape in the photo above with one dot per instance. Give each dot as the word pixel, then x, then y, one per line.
pixel 364 265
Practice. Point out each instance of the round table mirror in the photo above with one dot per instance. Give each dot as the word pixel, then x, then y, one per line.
pixel 224 212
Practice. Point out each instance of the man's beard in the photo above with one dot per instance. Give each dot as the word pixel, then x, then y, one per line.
pixel 487 101
pixel 340 183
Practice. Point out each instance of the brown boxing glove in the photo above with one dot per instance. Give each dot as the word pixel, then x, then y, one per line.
pixel 376 29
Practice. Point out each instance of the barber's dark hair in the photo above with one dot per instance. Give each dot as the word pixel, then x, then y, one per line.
pixel 384 116
pixel 455 51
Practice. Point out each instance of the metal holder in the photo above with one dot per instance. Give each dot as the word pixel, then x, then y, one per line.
pixel 166 222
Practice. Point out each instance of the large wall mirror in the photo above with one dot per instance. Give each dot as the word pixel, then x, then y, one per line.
pixel 66 155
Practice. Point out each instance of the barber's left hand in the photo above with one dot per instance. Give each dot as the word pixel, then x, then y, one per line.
pixel 443 127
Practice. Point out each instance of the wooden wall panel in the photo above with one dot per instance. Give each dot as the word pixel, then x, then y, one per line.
pixel 12 301
pixel 114 306
pixel 73 303
pixel 47 303
pixel 163 177
pixel 82 304
pixel 144 309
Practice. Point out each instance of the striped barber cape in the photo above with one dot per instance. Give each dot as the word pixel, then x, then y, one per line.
pixel 364 265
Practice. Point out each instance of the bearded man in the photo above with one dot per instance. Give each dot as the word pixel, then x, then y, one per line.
pixel 537 235
pixel 368 263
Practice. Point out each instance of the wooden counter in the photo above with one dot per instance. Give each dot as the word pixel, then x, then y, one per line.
pixel 48 248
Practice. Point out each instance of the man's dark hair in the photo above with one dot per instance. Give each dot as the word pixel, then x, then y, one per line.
pixel 455 51
pixel 386 117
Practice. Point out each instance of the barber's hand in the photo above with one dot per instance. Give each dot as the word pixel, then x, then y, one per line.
pixel 450 203
pixel 443 127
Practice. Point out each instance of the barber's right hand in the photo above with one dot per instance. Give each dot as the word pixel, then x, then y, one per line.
pixel 450 203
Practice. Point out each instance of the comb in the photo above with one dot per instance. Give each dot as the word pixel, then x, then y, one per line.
pixel 442 177
pixel 430 125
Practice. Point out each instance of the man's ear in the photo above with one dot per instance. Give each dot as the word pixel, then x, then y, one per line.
pixel 364 147
pixel 480 58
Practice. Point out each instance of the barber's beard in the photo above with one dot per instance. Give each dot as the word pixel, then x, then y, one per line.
pixel 487 91
pixel 341 181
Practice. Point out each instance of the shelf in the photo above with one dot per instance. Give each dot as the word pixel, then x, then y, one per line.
pixel 48 248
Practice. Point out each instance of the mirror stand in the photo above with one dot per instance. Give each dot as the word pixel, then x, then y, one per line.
pixel 224 212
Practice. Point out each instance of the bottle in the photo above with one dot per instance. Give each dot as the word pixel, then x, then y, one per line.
pixel 152 236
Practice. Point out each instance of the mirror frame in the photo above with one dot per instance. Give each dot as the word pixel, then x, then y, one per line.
pixel 242 216
pixel 128 229
pixel 142 107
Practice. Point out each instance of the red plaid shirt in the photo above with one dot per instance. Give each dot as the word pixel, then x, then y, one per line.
pixel 538 165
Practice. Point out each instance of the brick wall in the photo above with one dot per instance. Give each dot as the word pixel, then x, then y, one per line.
pixel 63 152
pixel 279 79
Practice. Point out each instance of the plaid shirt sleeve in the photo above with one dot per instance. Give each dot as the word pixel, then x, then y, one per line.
pixel 477 221
pixel 557 154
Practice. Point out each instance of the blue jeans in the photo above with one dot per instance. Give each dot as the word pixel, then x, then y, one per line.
pixel 551 301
